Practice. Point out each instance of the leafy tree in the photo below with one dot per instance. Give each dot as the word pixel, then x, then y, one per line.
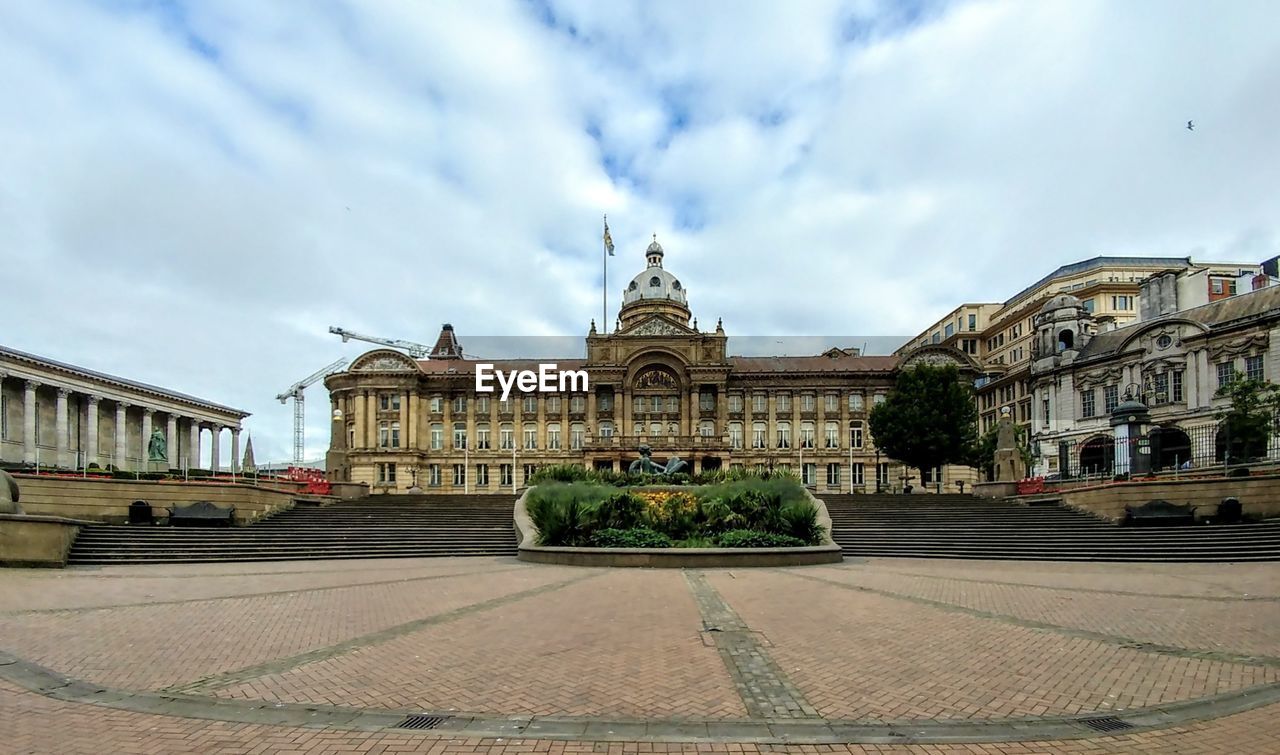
pixel 1247 424
pixel 929 418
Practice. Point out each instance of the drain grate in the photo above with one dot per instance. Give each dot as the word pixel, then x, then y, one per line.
pixel 1106 724
pixel 421 721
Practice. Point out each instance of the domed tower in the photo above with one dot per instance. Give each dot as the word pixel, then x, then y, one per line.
pixel 654 292
pixel 1063 326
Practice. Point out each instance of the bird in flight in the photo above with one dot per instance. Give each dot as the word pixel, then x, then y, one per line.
pixel 1191 126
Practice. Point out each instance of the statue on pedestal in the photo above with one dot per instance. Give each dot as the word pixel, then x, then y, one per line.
pixel 1009 464
pixel 157 447
pixel 9 494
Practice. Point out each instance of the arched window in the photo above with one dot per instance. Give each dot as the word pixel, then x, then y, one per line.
pixel 758 435
pixel 482 435
pixel 784 435
pixel 706 428
pixel 735 435
pixel 576 432
pixel 606 429
pixel 855 434
pixel 1066 340
pixel 553 436
pixel 655 281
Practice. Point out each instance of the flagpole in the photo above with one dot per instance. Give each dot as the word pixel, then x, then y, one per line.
pixel 604 291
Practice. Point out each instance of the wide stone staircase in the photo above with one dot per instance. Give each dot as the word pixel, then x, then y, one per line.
pixel 964 526
pixel 384 526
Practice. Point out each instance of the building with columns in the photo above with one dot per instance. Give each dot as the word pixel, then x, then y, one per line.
pixel 62 416
pixel 400 423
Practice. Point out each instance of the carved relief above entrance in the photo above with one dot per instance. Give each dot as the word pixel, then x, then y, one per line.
pixel 656 377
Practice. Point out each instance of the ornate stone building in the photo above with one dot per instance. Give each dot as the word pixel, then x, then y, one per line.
pixel 400 423
pixel 61 415
pixel 1173 363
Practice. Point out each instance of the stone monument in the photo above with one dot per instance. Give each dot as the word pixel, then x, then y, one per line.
pixel 157 453
pixel 1008 461
pixel 9 494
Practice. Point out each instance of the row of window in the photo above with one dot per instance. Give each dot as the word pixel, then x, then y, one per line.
pixel 389 435
pixel 640 404
pixel 433 474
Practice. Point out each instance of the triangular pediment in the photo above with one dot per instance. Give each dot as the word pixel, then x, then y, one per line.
pixel 658 325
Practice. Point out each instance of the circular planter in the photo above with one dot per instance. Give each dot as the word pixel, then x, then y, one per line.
pixel 673 558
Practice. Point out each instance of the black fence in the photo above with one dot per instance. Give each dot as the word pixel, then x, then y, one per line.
pixel 1162 450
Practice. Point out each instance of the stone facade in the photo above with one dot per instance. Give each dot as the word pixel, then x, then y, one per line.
pixel 1173 363
pixel 400 423
pixel 59 415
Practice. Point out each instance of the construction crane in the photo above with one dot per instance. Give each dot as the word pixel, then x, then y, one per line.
pixel 416 350
pixel 299 414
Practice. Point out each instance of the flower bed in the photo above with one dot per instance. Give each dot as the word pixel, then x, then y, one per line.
pixel 722 523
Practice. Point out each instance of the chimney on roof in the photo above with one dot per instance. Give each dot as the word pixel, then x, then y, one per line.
pixel 447 346
pixel 1158 296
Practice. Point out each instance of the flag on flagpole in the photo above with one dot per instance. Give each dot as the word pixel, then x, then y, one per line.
pixel 608 240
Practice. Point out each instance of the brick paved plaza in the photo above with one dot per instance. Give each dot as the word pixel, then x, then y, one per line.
pixel 888 655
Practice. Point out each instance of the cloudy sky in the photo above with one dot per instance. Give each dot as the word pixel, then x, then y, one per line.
pixel 192 192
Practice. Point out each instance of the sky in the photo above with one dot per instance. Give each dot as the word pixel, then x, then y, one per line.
pixel 191 193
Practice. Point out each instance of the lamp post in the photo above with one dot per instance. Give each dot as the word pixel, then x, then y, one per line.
pixel 1132 451
pixel 877 468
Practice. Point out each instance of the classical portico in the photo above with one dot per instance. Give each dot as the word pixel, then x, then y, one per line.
pixel 58 415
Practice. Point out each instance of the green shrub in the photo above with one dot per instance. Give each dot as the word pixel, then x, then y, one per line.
pixel 562 473
pixel 565 513
pixel 120 474
pixel 800 521
pixel 621 511
pixel 636 537
pixel 696 542
pixel 756 539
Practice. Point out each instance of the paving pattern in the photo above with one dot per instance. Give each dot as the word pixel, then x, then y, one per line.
pixel 868 656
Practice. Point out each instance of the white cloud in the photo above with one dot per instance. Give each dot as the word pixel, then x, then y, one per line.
pixel 191 193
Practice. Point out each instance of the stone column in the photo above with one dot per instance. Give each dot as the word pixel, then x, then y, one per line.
pixel 623 412
pixel 29 420
pixel 60 427
pixel 171 441
pixel 355 403
pixel 121 454
pixel 91 424
pixel 215 449
pixel 695 413
pixel 541 419
pixel 371 417
pixel 446 415
pixel 410 431
pixel 144 438
pixel 593 430
pixel 235 450
pixel 193 445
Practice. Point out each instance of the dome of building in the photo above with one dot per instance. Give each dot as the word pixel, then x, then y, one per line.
pixel 654 283
pixel 1062 301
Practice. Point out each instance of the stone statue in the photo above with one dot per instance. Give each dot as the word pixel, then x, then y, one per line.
pixel 157 447
pixel 646 465
pixel 9 494
pixel 1008 460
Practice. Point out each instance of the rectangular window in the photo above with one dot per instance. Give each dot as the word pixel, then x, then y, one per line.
pixel 759 404
pixel 386 474
pixel 606 429
pixel 808 402
pixel 506 406
pixel 576 434
pixel 758 436
pixel 882 474
pixel 553 437
pixel 530 436
pixel 1177 387
pixel 459 436
pixel 459 475
pixel 529 470
pixel 384 434
pixel 1087 406
pixel 482 405
pixel 878 399
pixel 482 475
pixel 553 404
pixel 395 434
pixel 948 331
pixel 831 402
pixel 706 401
pixel 578 404
pixel 1162 388
pixel 831 435
pixel 529 405
pixel 735 436
pixel 784 436
pixel 504 475
pixel 783 403
pixel 1088 305
pixel 482 437
pixel 437 404
pixel 1110 398
pixel 930 476
pixel 973 322
pixel 1045 407
pixel 1215 286
pixel 1226 373
pixel 604 402
pixel 808 473
pixel 673 404
pixel 433 475
pixel 459 404
pixel 833 475
pixel 855 402
pixel 507 437
pixel 857 473
pixel 855 435
pixel 807 439
pixel 1121 302
pixel 1253 368
pixel 735 403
